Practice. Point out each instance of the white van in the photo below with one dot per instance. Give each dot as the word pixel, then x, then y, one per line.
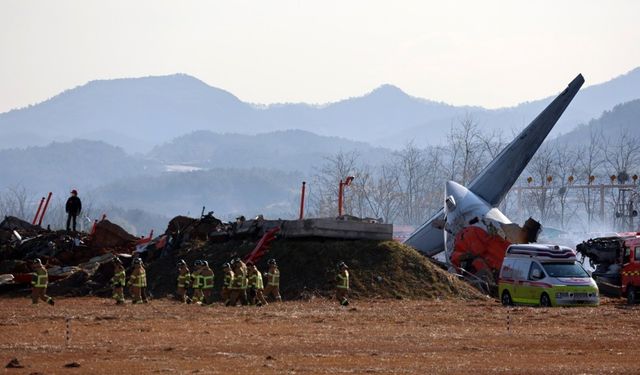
pixel 545 275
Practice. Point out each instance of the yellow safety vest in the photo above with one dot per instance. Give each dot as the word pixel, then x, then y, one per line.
pixel 183 280
pixel 207 281
pixel 40 278
pixel 197 280
pixel 140 280
pixel 245 281
pixel 343 280
pixel 228 279
pixel 273 279
pixel 238 281
pixel 255 281
pixel 119 278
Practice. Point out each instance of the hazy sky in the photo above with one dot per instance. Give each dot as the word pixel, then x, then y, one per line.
pixel 490 53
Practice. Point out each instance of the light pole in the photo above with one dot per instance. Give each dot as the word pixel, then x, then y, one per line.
pixel 344 183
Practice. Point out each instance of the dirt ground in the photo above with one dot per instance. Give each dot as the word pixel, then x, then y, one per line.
pixel 319 337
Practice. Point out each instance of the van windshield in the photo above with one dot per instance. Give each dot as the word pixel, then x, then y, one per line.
pixel 563 269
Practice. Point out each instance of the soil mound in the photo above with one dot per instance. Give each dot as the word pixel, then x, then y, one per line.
pixel 378 269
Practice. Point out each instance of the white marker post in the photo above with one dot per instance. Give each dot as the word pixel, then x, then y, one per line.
pixel 67 338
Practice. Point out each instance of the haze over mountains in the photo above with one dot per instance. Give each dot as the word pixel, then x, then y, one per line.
pixel 140 113
pixel 117 141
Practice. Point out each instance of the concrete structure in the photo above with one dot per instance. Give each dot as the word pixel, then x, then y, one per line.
pixel 331 228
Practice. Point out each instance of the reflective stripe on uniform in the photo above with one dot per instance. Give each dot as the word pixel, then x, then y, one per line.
pixel 207 282
pixel 237 281
pixel 273 279
pixel 139 280
pixel 228 279
pixel 183 280
pixel 343 281
pixel 42 281
pixel 197 280
pixel 255 281
pixel 119 278
pixel 143 279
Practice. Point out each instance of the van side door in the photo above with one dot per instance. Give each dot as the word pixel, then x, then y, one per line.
pixel 534 288
pixel 520 270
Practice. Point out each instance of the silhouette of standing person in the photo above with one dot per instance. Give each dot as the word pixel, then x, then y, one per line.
pixel 73 208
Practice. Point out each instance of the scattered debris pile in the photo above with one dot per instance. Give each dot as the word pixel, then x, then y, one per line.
pixel 82 264
pixel 73 260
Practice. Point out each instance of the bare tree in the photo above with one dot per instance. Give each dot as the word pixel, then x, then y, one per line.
pixel 622 153
pixel 412 177
pixel 383 195
pixel 540 167
pixel 323 193
pixel 590 159
pixel 565 166
pixel 14 202
pixel 468 146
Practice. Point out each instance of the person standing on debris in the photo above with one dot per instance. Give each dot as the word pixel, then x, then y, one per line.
pixel 39 281
pixel 342 284
pixel 137 281
pixel 273 281
pixel 207 282
pixel 73 208
pixel 228 280
pixel 256 286
pixel 184 279
pixel 118 281
pixel 196 282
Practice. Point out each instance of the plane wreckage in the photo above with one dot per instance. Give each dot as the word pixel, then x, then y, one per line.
pixel 470 229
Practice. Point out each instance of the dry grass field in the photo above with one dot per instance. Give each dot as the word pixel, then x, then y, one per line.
pixel 318 337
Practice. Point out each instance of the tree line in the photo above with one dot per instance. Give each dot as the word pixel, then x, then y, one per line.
pixel 561 186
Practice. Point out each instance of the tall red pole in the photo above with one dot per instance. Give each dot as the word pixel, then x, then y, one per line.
pixel 35 218
pixel 44 209
pixel 340 188
pixel 302 201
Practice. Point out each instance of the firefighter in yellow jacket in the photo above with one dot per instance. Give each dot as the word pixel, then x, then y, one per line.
pixel 39 281
pixel 206 273
pixel 137 280
pixel 256 286
pixel 238 285
pixel 184 280
pixel 118 281
pixel 272 277
pixel 226 284
pixel 342 284
pixel 196 282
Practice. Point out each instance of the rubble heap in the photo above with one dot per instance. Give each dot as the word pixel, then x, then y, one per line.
pixel 81 264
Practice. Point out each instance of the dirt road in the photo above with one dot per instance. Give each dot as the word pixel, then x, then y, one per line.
pixel 373 336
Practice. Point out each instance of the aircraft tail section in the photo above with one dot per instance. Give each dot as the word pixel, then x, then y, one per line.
pixel 497 178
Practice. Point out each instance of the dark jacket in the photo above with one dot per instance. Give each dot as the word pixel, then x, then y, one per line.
pixel 74 206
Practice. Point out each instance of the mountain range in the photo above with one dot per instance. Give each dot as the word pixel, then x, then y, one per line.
pixel 140 113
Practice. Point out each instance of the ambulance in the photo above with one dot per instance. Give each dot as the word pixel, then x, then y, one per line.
pixel 545 275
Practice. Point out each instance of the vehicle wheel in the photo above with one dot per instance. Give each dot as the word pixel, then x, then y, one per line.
pixel 545 301
pixel 631 295
pixel 506 298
